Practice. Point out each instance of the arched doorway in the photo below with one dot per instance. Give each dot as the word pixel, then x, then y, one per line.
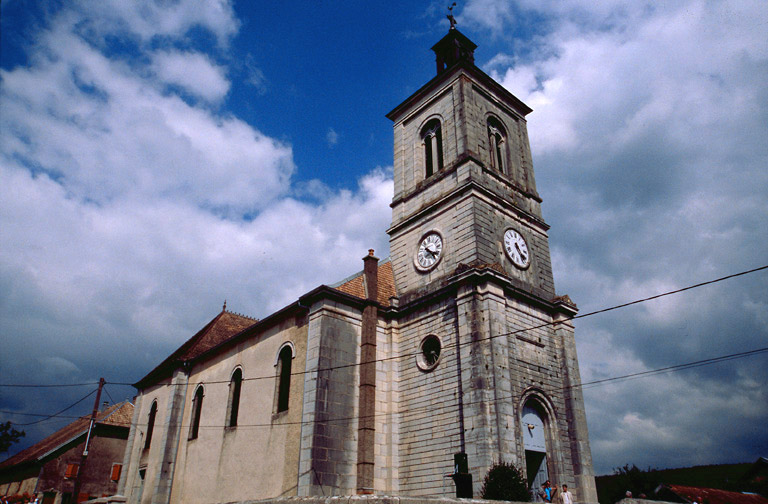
pixel 535 443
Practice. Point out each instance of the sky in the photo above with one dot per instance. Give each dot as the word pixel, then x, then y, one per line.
pixel 158 158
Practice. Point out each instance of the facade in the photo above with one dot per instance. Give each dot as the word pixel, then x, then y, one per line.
pixel 48 469
pixel 452 354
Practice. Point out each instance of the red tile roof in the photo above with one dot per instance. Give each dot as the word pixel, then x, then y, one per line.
pixel 227 325
pixel 118 415
pixel 714 496
pixel 386 282
pixel 221 328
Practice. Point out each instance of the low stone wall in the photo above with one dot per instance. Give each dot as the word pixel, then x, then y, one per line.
pixel 363 499
pixel 642 501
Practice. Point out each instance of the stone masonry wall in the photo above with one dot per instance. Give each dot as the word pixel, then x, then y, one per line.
pixel 428 405
pixel 328 454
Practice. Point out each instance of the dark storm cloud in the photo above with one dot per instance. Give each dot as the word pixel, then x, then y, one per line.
pixel 648 136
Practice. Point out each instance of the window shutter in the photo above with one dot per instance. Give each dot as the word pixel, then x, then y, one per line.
pixel 71 471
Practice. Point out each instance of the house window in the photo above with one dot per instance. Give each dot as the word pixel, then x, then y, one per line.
pixel 71 471
pixel 150 424
pixel 284 377
pixel 233 407
pixel 116 470
pixel 432 140
pixel 497 137
pixel 197 408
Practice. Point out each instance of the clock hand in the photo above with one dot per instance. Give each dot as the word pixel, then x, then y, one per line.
pixel 522 254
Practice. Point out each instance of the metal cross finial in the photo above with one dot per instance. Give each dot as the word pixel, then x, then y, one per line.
pixel 450 16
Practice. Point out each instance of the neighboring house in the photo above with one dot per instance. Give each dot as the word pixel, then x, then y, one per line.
pixel 756 477
pixel 48 469
pixel 451 355
pixel 688 494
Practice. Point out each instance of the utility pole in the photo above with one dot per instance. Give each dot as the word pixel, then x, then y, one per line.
pixel 80 469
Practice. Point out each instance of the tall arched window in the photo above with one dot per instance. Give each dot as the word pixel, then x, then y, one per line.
pixel 233 407
pixel 284 377
pixel 150 424
pixel 497 141
pixel 432 140
pixel 197 408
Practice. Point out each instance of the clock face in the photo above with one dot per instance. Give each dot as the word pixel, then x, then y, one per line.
pixel 516 248
pixel 430 250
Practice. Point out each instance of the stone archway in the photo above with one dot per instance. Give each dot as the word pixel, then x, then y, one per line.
pixel 535 444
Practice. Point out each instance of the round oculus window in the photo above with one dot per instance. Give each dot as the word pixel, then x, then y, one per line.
pixel 429 353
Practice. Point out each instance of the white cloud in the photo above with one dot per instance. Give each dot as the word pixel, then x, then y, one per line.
pixel 105 131
pixel 150 20
pixel 192 71
pixel 492 14
pixel 332 137
pixel 257 79
pixel 118 198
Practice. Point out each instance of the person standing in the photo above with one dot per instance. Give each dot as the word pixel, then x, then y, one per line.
pixel 566 497
pixel 553 497
pixel 547 492
pixel 541 493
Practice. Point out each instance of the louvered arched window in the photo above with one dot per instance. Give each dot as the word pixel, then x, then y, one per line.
pixel 497 141
pixel 432 141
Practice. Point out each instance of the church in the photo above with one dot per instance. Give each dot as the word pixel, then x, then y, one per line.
pixel 413 376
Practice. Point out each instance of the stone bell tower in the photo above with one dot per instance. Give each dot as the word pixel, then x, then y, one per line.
pixel 495 374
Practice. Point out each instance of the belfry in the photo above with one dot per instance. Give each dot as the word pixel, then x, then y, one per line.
pixel 471 263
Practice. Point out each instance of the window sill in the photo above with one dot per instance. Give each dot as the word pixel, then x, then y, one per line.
pixel 278 416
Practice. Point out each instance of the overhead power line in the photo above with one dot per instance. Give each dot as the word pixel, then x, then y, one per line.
pixel 678 367
pixel 60 412
pixel 431 407
pixel 478 340
pixel 450 345
pixel 49 385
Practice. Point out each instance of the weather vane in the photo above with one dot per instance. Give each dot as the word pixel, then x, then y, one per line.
pixel 450 16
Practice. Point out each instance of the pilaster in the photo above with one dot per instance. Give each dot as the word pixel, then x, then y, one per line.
pixel 171 436
pixel 581 455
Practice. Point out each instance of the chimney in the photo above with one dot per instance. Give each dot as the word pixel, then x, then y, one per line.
pixel 366 427
pixel 371 275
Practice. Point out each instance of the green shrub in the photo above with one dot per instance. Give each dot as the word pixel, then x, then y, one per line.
pixel 505 482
